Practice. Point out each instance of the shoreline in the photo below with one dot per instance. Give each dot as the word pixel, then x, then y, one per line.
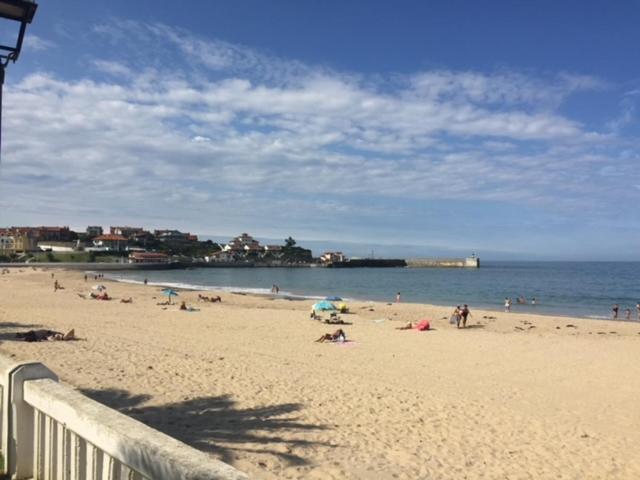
pixel 301 297
pixel 85 267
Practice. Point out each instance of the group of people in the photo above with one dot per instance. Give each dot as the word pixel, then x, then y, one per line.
pixel 627 312
pixel 86 277
pixel 103 295
pixel 460 315
pixel 212 299
pixel 521 300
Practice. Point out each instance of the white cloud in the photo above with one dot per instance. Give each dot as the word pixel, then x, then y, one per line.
pixel 240 129
pixel 37 44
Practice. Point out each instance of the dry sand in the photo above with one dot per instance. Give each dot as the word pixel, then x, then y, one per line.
pixel 245 381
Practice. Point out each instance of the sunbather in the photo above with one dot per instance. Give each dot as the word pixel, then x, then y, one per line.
pixel 183 306
pixel 408 326
pixel 337 336
pixel 40 335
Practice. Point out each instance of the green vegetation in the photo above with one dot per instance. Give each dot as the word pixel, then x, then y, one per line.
pixel 291 253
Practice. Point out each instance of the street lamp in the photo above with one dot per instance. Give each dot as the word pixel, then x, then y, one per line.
pixel 20 11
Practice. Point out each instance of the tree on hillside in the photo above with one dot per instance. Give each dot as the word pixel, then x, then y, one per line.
pixel 289 242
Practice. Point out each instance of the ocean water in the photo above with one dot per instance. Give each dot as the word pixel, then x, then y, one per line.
pixel 583 289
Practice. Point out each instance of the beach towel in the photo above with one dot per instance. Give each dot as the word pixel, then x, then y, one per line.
pixel 423 325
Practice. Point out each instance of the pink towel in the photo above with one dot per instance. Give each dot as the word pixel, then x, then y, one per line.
pixel 423 325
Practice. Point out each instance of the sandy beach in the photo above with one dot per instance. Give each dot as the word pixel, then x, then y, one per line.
pixel 511 397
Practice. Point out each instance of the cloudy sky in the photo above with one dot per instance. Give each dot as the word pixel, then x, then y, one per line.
pixel 511 129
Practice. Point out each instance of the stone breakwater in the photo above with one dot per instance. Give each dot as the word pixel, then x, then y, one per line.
pixel 469 262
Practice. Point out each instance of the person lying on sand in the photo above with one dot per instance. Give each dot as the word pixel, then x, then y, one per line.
pixel 204 298
pixel 335 320
pixel 408 326
pixel 337 336
pixel 40 335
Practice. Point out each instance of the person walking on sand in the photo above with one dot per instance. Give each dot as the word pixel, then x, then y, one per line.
pixel 627 314
pixel 455 316
pixel 398 297
pixel 638 309
pixel 464 313
pixel 507 304
pixel 146 281
pixel 614 311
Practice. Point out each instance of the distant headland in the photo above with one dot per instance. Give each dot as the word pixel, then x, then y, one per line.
pixel 125 247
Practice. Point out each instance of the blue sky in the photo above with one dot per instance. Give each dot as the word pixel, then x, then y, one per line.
pixel 432 128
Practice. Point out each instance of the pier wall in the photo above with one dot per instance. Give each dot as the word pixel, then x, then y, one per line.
pixel 469 262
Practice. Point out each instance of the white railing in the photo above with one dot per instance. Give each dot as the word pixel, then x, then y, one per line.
pixel 53 432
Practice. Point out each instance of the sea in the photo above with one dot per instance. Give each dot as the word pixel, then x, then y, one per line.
pixel 577 289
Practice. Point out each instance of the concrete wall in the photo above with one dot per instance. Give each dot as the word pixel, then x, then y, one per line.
pixel 52 431
pixel 470 262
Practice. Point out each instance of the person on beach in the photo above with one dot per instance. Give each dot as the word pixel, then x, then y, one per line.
pixel 521 300
pixel 407 326
pixel 85 277
pixel 40 335
pixel 398 297
pixel 638 310
pixel 184 307
pixel 614 311
pixel 627 314
pixel 146 281
pixel 533 301
pixel 275 288
pixel 455 317
pixel 464 313
pixel 337 336
pixel 507 304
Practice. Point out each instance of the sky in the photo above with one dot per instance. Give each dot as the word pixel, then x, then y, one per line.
pixel 508 128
